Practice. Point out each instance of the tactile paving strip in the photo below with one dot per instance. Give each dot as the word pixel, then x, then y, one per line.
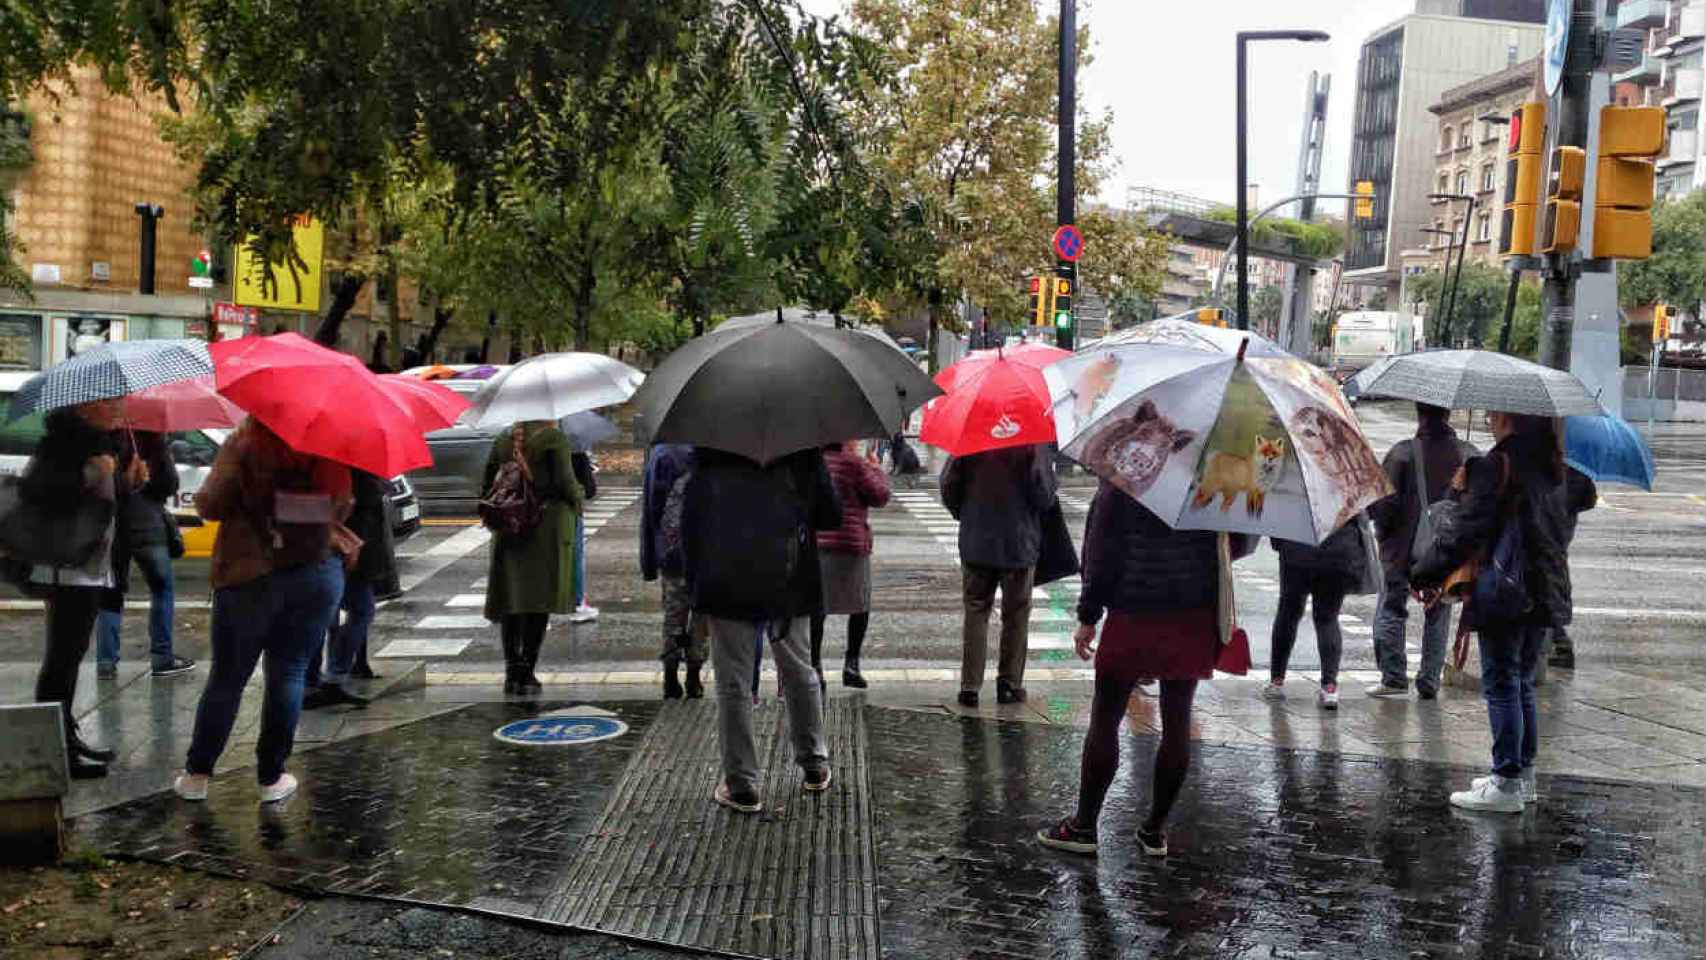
pixel 666 863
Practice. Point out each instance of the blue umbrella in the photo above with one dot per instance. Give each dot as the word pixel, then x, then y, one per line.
pixel 586 430
pixel 1609 450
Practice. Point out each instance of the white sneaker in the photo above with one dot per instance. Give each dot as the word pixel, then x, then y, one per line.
pixel 583 614
pixel 1491 795
pixel 279 789
pixel 1381 691
pixel 1329 696
pixel 1274 690
pixel 1525 786
pixel 190 786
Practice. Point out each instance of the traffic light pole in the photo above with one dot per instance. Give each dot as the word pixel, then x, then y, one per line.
pixel 1558 291
pixel 1066 185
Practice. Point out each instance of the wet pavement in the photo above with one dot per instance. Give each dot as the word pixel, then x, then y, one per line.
pixel 1276 852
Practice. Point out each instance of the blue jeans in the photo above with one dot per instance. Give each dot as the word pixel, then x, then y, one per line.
pixel 283 615
pixel 156 566
pixel 1508 658
pixel 346 640
pixel 580 559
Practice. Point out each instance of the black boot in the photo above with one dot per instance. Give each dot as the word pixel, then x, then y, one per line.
pixel 76 747
pixel 695 687
pixel 1563 655
pixel 82 768
pixel 527 683
pixel 512 658
pixel 850 675
pixel 671 681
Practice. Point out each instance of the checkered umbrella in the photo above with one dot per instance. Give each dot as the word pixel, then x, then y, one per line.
pixel 111 370
pixel 1478 380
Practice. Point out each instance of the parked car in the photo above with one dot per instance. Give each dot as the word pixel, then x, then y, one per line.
pixel 194 451
pixel 452 484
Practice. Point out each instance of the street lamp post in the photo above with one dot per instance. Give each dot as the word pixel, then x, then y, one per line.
pixel 1445 271
pixel 1244 38
pixel 1462 250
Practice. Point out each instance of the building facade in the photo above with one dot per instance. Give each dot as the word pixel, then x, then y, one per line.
pixel 1405 69
pixel 1473 142
pixel 1669 76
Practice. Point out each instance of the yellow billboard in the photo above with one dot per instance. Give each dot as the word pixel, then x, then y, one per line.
pixel 291 286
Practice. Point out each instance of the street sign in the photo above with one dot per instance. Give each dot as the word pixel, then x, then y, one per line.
pixel 1557 43
pixel 287 287
pixel 560 730
pixel 229 314
pixel 1068 243
pixel 201 283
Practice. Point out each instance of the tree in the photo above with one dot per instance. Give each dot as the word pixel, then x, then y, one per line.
pixel 1676 272
pixel 15 158
pixel 1126 263
pixel 1266 305
pixel 1479 308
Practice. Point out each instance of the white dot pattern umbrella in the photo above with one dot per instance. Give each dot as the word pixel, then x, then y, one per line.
pixel 1478 380
pixel 111 370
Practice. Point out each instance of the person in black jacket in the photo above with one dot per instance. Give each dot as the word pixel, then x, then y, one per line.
pixel 1517 483
pixel 750 545
pixel 1580 495
pixel 373 576
pixel 78 468
pixel 1160 589
pixel 146 530
pixel 1322 574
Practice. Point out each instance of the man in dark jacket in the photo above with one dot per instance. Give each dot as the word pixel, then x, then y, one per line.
pixel 1579 495
pixel 669 466
pixel 144 536
pixel 748 534
pixel 999 498
pixel 1395 518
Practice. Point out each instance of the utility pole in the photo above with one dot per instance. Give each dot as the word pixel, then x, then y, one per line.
pixel 149 214
pixel 1295 326
pixel 1570 129
pixel 1066 118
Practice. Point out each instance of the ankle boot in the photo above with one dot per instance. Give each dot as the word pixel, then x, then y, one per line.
pixel 695 687
pixel 512 661
pixel 671 681
pixel 527 683
pixel 850 675
pixel 75 746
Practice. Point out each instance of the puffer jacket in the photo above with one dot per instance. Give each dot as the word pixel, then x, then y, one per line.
pixel 1134 563
pixel 1532 498
pixel 860 485
pixel 1342 554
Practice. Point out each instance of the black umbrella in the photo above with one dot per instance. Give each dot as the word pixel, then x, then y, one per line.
pixel 764 392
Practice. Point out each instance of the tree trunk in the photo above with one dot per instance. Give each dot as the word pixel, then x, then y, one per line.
pixel 429 341
pixel 394 318
pixel 583 305
pixel 344 293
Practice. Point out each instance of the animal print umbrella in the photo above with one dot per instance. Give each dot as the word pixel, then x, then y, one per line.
pixel 1214 441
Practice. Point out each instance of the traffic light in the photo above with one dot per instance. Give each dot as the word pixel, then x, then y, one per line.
pixel 1629 139
pixel 1564 200
pixel 1039 302
pixel 1522 180
pixel 1365 200
pixel 1062 306
pixel 1661 323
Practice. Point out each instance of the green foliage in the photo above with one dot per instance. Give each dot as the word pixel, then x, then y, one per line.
pixel 1478 314
pixel 1266 306
pixel 1319 241
pixel 1676 272
pixel 15 158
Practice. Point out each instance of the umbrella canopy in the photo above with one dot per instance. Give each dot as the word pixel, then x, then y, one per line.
pixel 995 399
pixel 803 315
pixel 1192 434
pixel 769 390
pixel 434 407
pixel 437 371
pixel 1609 450
pixel 484 371
pixel 181 405
pixel 109 371
pixel 586 430
pixel 1477 380
pixel 1182 330
pixel 550 387
pixel 321 402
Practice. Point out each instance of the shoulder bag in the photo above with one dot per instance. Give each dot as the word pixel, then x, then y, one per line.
pixel 1233 654
pixel 1431 515
pixel 40 537
pixel 512 507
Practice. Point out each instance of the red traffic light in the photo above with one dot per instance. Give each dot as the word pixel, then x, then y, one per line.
pixel 1516 131
pixel 1036 284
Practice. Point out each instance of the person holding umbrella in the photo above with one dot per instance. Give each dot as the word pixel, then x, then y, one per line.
pixel 533 571
pixel 1513 492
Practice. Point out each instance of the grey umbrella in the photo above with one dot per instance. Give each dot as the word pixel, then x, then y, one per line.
pixel 1477 380
pixel 765 391
pixel 586 430
pixel 803 315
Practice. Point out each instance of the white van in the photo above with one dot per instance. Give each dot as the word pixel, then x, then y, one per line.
pixel 194 451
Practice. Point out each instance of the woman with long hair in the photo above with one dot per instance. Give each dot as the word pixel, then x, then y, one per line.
pixel 1516 483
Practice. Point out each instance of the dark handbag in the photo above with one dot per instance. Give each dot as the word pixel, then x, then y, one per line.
pixel 1432 516
pixel 40 537
pixel 1058 558
pixel 512 508
pixel 174 536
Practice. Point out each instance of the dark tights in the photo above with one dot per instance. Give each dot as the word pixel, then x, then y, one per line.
pixel 856 626
pixel 1102 747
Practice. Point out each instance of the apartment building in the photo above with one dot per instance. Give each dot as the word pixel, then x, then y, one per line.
pixel 1470 161
pixel 1669 75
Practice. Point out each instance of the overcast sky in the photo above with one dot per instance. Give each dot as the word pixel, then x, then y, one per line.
pixel 1165 67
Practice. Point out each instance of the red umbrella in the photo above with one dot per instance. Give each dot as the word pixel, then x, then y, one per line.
pixel 434 407
pixel 995 399
pixel 182 405
pixel 321 402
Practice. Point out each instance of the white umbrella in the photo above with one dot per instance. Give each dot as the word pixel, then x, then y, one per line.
pixel 550 387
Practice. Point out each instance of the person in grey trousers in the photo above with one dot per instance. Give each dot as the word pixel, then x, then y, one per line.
pixel 999 497
pixel 751 564
pixel 1440 453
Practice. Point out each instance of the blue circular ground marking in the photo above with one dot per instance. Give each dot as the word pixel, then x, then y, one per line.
pixel 557 731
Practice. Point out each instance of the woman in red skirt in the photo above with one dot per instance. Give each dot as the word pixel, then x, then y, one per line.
pixel 1160 590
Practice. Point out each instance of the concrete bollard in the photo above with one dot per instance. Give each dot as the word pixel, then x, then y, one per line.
pixel 33 781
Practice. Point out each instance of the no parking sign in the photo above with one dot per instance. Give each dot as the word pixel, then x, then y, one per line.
pixel 558 730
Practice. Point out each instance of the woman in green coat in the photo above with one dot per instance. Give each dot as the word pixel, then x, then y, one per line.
pixel 532 574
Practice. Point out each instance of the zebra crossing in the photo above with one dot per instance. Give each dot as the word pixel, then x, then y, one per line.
pixel 456 616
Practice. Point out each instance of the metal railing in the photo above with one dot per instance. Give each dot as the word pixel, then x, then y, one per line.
pixel 1149 199
pixel 1669 384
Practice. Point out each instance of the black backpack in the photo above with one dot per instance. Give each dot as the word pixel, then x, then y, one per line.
pixel 299 524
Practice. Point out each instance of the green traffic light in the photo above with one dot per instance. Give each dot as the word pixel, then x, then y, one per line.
pixel 1063 319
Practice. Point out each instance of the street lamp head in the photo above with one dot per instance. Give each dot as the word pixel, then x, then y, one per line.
pixel 1306 36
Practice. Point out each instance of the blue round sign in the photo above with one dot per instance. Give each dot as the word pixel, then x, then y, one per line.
pixel 1557 44
pixel 556 731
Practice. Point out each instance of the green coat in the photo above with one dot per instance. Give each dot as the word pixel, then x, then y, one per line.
pixel 535 573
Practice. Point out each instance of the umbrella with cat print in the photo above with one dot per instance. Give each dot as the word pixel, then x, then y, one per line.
pixel 995 398
pixel 1209 440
